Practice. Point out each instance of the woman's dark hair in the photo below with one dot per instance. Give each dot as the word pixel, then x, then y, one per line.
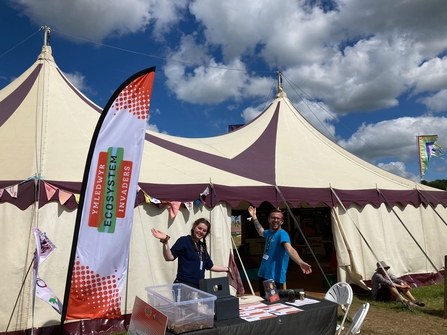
pixel 206 223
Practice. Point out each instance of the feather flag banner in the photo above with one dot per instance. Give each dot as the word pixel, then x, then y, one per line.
pixel 100 249
pixel 427 149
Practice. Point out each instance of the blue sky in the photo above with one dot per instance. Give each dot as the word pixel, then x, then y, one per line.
pixel 370 74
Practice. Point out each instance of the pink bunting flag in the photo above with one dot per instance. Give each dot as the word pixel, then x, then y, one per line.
pixel 50 190
pixel 173 209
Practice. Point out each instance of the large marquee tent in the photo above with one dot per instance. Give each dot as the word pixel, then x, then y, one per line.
pixel 46 126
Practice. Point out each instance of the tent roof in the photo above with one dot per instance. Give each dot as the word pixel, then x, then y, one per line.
pixel 277 149
pixel 47 124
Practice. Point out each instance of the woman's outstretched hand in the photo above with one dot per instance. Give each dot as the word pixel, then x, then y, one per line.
pixel 158 234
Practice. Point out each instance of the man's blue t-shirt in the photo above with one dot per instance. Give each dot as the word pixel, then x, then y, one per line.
pixel 188 265
pixel 275 267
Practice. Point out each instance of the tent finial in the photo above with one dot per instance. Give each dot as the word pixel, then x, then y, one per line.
pixel 46 49
pixel 281 92
pixel 46 35
pixel 279 74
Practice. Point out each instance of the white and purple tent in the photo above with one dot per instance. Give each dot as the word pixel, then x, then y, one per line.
pixel 46 126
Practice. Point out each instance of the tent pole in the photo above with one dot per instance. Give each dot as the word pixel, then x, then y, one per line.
pixel 301 232
pixel 364 240
pixel 433 207
pixel 18 295
pixel 408 231
pixel 233 243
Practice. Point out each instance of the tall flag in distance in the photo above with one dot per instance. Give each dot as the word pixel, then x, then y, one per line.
pixel 101 239
pixel 428 148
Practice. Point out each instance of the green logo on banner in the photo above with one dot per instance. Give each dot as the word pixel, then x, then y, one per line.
pixel 115 157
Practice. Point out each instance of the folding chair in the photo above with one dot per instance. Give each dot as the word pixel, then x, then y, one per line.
pixel 341 293
pixel 358 319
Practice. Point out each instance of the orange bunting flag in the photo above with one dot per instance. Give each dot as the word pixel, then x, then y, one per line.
pixel 234 278
pixel 64 196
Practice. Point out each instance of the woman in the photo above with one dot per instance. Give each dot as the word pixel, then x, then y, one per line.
pixel 192 253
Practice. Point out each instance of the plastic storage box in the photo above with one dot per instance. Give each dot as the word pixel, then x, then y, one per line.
pixel 187 308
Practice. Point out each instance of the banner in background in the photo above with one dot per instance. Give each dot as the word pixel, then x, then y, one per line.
pixel 98 263
pixel 44 247
pixel 428 148
pixel 234 277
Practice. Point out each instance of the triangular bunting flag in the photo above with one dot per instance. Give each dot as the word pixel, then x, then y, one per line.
pixel 173 209
pixel 49 190
pixel 206 192
pixel 64 196
pixel 13 190
pixel 155 201
pixel 46 294
pixel 1 192
pixel 189 205
pixel 77 197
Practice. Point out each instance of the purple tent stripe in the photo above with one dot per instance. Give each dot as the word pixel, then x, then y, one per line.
pixel 9 105
pixel 257 162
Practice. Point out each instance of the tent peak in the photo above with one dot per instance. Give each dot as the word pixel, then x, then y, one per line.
pixel 46 49
pixel 281 93
pixel 46 53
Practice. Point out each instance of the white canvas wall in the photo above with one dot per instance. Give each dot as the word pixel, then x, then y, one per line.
pixel 389 240
pixel 146 264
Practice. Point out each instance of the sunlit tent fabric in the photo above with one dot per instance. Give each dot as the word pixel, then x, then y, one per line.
pixel 46 126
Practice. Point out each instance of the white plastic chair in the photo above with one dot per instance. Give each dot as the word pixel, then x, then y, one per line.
pixel 341 293
pixel 358 319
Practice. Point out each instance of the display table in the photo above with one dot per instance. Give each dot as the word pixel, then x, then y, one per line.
pixel 319 319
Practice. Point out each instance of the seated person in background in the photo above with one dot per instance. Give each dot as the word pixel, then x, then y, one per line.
pixel 385 290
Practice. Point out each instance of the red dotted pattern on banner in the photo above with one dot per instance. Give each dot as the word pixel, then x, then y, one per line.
pixel 135 99
pixel 100 294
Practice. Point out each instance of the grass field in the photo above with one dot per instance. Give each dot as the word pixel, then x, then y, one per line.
pixel 392 319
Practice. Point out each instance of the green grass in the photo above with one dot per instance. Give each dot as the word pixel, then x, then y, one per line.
pixel 432 296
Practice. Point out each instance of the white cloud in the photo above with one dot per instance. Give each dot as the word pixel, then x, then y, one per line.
pixel 78 80
pixel 395 139
pixel 97 19
pixel 354 55
pixel 436 102
pixel 251 113
pixel 398 168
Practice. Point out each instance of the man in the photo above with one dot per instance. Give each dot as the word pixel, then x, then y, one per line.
pixel 277 251
pixel 385 290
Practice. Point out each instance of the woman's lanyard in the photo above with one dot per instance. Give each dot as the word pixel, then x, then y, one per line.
pixel 200 252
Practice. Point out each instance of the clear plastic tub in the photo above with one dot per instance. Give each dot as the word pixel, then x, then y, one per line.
pixel 187 308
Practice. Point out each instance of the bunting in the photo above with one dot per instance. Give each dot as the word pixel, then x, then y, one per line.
pixel 428 147
pixel 44 247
